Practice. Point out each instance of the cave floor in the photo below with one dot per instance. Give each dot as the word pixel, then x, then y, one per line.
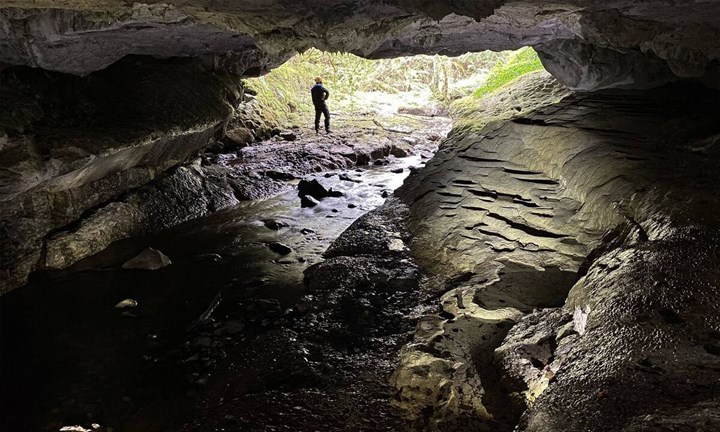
pixel 71 358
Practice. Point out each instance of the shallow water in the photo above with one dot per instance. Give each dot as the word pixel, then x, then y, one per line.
pixel 69 357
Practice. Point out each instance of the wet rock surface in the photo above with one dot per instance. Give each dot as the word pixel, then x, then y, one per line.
pixel 230 315
pixel 329 362
pixel 72 145
pixel 505 221
pixel 79 180
pixel 149 259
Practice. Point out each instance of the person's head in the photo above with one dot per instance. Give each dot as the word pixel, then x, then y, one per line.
pixel 318 80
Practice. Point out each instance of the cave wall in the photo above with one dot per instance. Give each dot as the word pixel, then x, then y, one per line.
pixel 587 44
pixel 69 145
pixel 617 188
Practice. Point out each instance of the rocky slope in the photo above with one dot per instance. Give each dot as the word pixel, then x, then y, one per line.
pixel 587 44
pixel 616 189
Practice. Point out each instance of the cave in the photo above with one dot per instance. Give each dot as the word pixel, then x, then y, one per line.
pixel 548 261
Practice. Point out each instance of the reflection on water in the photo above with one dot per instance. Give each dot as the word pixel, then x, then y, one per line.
pixel 69 357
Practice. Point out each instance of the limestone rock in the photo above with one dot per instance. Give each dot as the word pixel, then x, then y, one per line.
pixel 594 186
pixel 371 234
pixel 238 138
pixel 279 248
pixel 94 155
pixel 314 189
pixel 307 201
pixel 288 135
pixel 149 259
pixel 587 44
pixel 185 193
pixel 529 356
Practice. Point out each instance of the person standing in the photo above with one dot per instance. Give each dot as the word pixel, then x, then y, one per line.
pixel 319 96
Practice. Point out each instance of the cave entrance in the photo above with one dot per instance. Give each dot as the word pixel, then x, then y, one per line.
pixel 100 334
pixel 391 95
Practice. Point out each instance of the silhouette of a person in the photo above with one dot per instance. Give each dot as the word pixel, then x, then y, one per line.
pixel 319 96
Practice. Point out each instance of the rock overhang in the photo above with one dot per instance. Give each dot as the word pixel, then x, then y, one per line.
pixel 587 44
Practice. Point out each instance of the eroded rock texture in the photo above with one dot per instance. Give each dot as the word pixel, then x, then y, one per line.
pixel 69 144
pixel 586 44
pixel 86 141
pixel 615 188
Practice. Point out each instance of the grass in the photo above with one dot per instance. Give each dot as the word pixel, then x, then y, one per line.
pixel 473 112
pixel 283 94
pixel 520 63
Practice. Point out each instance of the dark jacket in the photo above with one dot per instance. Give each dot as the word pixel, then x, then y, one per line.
pixel 319 94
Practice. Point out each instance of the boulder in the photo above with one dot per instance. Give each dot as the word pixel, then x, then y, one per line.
pixel 314 189
pixel 401 150
pixel 149 259
pixel 238 138
pixel 306 201
pixel 215 147
pixel 288 135
pixel 279 248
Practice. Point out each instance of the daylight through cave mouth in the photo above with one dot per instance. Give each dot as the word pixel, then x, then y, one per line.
pixel 486 240
pixel 169 272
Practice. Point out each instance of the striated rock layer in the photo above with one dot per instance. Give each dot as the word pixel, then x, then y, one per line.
pixel 574 251
pixel 69 145
pixel 587 44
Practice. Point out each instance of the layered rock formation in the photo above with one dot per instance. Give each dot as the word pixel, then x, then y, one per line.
pixel 71 144
pixel 586 44
pixel 616 188
pixel 572 241
pixel 119 128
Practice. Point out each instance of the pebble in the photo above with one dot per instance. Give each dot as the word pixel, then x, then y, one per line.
pixel 279 248
pixel 274 225
pixel 126 304
pixel 208 257
pixel 233 327
pixel 345 177
pixel 288 135
pixel 202 342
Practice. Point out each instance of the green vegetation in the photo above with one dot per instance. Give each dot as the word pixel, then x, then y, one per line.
pixel 488 104
pixel 354 82
pixel 362 88
pixel 521 62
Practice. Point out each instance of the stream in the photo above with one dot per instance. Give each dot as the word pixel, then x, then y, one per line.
pixel 70 358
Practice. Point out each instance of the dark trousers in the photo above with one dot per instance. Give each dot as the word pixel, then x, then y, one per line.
pixel 322 109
